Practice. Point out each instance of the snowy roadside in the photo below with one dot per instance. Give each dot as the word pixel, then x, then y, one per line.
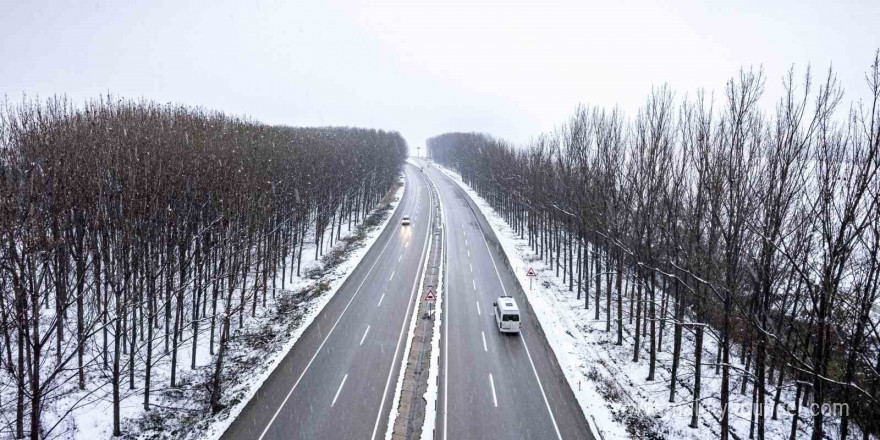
pixel 612 390
pixel 256 349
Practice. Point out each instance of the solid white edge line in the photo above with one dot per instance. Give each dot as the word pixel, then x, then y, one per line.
pixel 367 331
pixel 485 348
pixel 338 391
pixel 380 300
pixel 538 378
pixel 286 398
pixel 534 370
pixel 492 383
pixel 423 262
pixel 445 335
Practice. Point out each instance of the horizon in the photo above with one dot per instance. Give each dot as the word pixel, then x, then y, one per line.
pixel 511 70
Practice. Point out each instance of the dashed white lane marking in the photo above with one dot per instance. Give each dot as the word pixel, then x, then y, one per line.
pixel 380 300
pixel 472 267
pixel 365 335
pixel 475 284
pixel 478 309
pixel 491 382
pixel 392 276
pixel 465 242
pixel 469 254
pixel 485 348
pixel 406 244
pixel 343 383
pixel 399 258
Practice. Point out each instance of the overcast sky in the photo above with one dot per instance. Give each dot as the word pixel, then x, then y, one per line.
pixel 512 69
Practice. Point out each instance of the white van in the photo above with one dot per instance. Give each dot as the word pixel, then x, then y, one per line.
pixel 506 314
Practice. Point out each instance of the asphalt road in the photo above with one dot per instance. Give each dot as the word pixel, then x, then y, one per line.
pixel 493 385
pixel 338 381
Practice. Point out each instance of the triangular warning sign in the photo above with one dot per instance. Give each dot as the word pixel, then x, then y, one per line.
pixel 531 273
pixel 430 296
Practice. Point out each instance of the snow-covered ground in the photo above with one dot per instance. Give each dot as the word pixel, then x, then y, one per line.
pixel 90 411
pixel 611 389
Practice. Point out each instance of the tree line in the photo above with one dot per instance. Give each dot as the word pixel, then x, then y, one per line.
pixel 130 231
pixel 709 217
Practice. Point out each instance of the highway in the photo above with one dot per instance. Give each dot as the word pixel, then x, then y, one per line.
pixel 493 385
pixel 338 380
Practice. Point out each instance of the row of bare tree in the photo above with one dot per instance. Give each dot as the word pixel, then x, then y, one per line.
pixel 130 230
pixel 710 217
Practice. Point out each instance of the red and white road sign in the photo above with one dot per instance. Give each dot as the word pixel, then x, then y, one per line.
pixel 430 297
pixel 531 273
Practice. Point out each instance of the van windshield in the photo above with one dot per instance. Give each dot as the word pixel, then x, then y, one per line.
pixel 510 318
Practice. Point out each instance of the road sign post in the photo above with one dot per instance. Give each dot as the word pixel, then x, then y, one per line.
pixel 532 275
pixel 430 298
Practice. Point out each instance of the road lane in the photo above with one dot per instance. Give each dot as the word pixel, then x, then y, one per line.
pixel 333 383
pixel 533 398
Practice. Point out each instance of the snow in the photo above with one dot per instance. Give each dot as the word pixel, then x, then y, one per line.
pixel 596 368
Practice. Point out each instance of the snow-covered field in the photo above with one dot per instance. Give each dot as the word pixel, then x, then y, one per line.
pixel 611 389
pixel 256 349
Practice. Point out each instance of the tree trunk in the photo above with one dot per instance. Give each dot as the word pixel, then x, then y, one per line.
pixel 698 359
pixel 653 323
pixel 620 291
pixel 638 334
pixel 597 265
pixel 676 341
